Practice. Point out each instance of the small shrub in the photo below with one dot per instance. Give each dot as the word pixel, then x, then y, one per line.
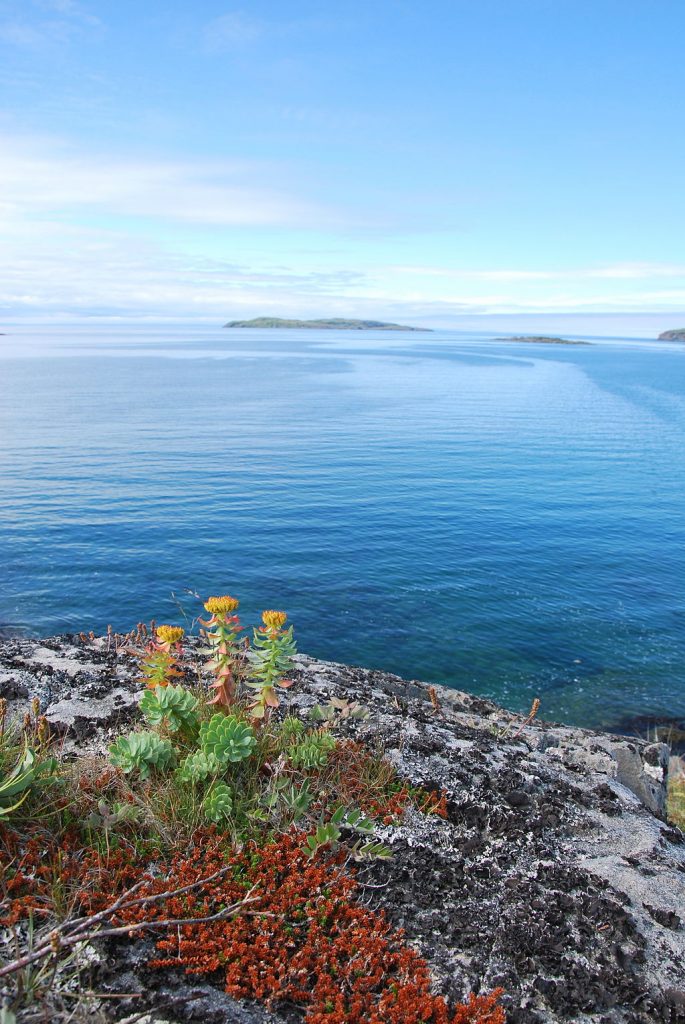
pixel 221 631
pixel 290 730
pixel 160 662
pixel 270 659
pixel 308 941
pixel 285 796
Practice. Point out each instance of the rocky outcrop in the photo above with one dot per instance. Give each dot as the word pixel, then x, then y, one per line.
pixel 676 335
pixel 555 874
pixel 333 324
pixel 542 339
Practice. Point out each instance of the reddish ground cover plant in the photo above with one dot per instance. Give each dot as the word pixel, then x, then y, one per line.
pixel 307 941
pixel 48 876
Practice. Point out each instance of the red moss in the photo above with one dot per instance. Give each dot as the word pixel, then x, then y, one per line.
pixel 39 871
pixel 307 941
pixel 431 802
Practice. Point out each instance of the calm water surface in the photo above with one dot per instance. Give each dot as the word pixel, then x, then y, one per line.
pixel 505 518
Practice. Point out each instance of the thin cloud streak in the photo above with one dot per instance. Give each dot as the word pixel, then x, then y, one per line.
pixel 44 24
pixel 48 267
pixel 627 272
pixel 51 261
pixel 38 178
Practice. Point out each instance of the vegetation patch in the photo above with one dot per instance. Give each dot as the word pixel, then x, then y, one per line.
pixel 226 828
pixel 676 797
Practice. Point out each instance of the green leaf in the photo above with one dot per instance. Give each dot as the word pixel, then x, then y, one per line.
pixel 373 851
pixel 338 815
pixel 28 771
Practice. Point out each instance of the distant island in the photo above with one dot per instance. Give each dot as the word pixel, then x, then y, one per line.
pixel 676 335
pixel 541 339
pixel 325 325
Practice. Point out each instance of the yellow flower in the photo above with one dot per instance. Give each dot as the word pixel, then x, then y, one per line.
pixel 170 634
pixel 221 605
pixel 274 620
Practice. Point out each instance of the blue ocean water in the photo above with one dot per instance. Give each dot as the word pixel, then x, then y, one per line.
pixel 506 518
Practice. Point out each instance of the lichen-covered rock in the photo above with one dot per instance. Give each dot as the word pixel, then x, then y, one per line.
pixel 555 874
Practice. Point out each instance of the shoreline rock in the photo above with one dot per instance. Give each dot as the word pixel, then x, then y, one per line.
pixel 554 874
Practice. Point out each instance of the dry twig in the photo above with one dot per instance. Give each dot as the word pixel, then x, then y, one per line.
pixel 85 929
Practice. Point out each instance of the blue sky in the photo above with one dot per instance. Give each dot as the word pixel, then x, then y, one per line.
pixel 413 160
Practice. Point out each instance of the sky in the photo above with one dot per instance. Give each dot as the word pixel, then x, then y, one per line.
pixel 420 160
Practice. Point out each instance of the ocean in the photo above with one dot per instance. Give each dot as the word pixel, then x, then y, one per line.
pixel 505 518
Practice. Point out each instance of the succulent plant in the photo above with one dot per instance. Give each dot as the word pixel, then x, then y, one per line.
pixel 173 706
pixel 227 738
pixel 222 633
pixel 290 730
pixel 198 766
pixel 327 833
pixel 312 751
pixel 142 751
pixel 218 802
pixel 337 710
pixel 106 817
pixel 270 658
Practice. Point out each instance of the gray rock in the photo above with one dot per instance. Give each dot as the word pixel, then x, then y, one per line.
pixel 555 874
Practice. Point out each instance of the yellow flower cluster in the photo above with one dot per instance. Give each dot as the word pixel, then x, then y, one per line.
pixel 221 605
pixel 170 634
pixel 274 620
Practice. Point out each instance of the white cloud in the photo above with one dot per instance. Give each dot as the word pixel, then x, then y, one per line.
pixel 55 258
pixel 52 267
pixel 39 177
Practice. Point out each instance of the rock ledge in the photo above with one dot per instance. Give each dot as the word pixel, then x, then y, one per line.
pixel 555 874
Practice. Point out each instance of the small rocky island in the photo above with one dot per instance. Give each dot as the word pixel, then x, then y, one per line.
pixel 541 339
pixel 334 324
pixel 675 335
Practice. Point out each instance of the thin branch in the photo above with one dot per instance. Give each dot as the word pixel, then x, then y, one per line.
pixel 170 922
pixel 86 929
pixel 92 919
pixel 124 904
